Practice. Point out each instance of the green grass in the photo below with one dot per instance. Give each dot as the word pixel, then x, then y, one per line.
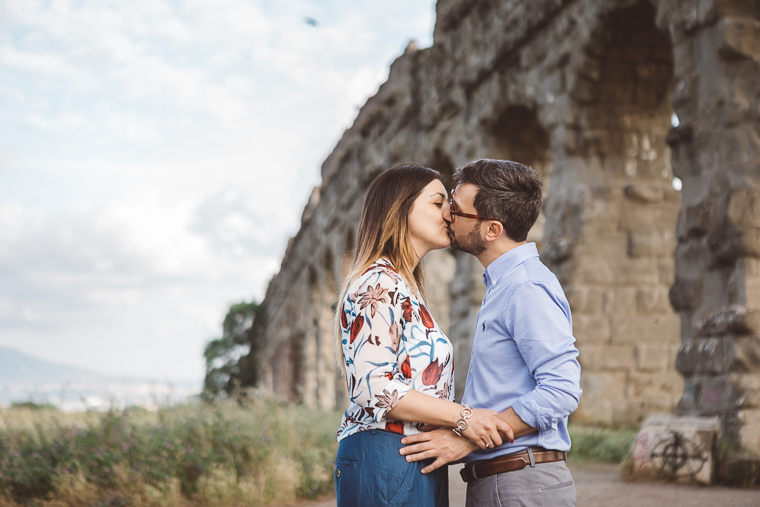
pixel 188 455
pixel 600 444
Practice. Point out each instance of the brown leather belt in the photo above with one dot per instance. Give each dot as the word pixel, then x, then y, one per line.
pixel 508 463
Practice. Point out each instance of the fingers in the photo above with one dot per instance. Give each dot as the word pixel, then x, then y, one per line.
pixel 438 463
pixel 419 456
pixel 414 449
pixel 506 430
pixel 417 438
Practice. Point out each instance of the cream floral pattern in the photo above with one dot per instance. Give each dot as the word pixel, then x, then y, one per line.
pixel 390 344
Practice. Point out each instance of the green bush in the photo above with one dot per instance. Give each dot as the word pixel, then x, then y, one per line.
pixel 600 444
pixel 191 453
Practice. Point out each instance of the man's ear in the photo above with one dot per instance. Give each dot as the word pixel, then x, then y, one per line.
pixel 494 230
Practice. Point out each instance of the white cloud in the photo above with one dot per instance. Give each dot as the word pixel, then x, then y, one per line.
pixel 156 156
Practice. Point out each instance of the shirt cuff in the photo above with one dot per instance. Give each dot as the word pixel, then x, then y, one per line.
pixel 384 401
pixel 533 415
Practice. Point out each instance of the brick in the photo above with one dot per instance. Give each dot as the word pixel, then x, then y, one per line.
pixel 604 385
pixel 645 328
pixel 591 357
pixel 653 300
pixel 619 357
pixel 593 411
pixel 652 357
pixel 746 354
pixel 750 430
pixel 591 330
pixel 741 38
pixel 624 301
pixel 654 386
pixel 744 208
pixel 644 244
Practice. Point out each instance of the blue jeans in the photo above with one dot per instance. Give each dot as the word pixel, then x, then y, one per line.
pixel 369 472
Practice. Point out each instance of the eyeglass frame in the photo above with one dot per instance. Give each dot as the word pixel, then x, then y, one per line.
pixel 454 210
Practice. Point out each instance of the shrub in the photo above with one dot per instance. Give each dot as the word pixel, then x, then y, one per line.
pixel 193 454
pixel 600 444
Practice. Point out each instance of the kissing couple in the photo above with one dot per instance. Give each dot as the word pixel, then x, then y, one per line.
pixel 403 424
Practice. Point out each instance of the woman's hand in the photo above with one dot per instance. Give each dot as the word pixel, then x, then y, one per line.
pixel 485 429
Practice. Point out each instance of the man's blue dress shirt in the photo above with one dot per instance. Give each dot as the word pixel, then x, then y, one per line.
pixel 523 353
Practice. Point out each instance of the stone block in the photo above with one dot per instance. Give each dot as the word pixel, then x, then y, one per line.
pixel 591 410
pixel 657 328
pixel 748 387
pixel 638 270
pixel 738 145
pixel 590 357
pixel 593 270
pixel 749 434
pixel 624 301
pixel 676 447
pixel 652 357
pixel 654 386
pixel 685 294
pixel 667 268
pixel 595 301
pixel 744 208
pixel 731 319
pixel 740 38
pixel 619 357
pixel 645 192
pixel 645 244
pixel 591 330
pixel 576 297
pixel 607 386
pixel 746 354
pixel 653 300
pixel 704 356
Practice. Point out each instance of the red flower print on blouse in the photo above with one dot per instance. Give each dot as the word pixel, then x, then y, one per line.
pixel 356 327
pixel 407 307
pixel 371 297
pixel 395 426
pixel 395 333
pixel 432 373
pixel 406 368
pixel 343 319
pixel 427 320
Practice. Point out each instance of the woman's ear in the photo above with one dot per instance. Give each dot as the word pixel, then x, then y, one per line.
pixel 494 231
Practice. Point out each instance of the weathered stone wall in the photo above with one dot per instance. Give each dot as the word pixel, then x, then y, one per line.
pixel 583 91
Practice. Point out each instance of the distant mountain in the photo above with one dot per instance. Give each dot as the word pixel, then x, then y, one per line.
pixel 19 368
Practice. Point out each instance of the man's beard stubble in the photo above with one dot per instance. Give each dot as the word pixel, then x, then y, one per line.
pixel 472 243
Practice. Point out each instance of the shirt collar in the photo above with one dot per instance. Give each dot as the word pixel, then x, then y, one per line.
pixel 507 261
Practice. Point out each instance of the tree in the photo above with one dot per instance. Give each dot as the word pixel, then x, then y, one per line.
pixel 223 354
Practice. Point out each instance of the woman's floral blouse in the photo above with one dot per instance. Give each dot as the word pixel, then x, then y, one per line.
pixel 390 344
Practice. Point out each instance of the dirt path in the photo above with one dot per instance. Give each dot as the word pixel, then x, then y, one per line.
pixel 599 485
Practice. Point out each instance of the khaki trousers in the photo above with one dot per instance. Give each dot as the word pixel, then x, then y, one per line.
pixel 542 485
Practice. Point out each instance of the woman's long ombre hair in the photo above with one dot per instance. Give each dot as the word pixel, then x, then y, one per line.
pixel 384 232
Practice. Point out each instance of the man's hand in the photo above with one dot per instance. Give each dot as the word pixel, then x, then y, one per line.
pixel 442 444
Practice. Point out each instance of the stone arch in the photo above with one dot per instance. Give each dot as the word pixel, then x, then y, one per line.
pixel 611 231
pixel 517 134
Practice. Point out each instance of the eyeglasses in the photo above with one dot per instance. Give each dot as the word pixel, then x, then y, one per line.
pixel 454 210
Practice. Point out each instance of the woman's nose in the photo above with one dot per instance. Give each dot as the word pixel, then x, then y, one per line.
pixel 446 214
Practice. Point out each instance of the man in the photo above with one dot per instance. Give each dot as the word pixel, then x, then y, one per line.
pixel 524 362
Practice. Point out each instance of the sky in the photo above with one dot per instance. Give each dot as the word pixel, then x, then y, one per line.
pixel 156 155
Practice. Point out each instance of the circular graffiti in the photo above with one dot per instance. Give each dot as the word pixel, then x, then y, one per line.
pixel 677 455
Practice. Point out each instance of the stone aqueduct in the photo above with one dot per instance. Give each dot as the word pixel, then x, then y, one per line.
pixel 664 285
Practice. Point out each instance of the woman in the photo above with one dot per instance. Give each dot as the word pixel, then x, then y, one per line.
pixel 399 365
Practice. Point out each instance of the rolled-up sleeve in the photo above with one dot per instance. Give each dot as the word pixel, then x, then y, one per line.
pixel 376 347
pixel 541 328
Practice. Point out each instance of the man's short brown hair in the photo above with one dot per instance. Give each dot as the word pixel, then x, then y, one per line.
pixel 507 191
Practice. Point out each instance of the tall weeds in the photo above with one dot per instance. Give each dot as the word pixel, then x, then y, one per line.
pixel 189 455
